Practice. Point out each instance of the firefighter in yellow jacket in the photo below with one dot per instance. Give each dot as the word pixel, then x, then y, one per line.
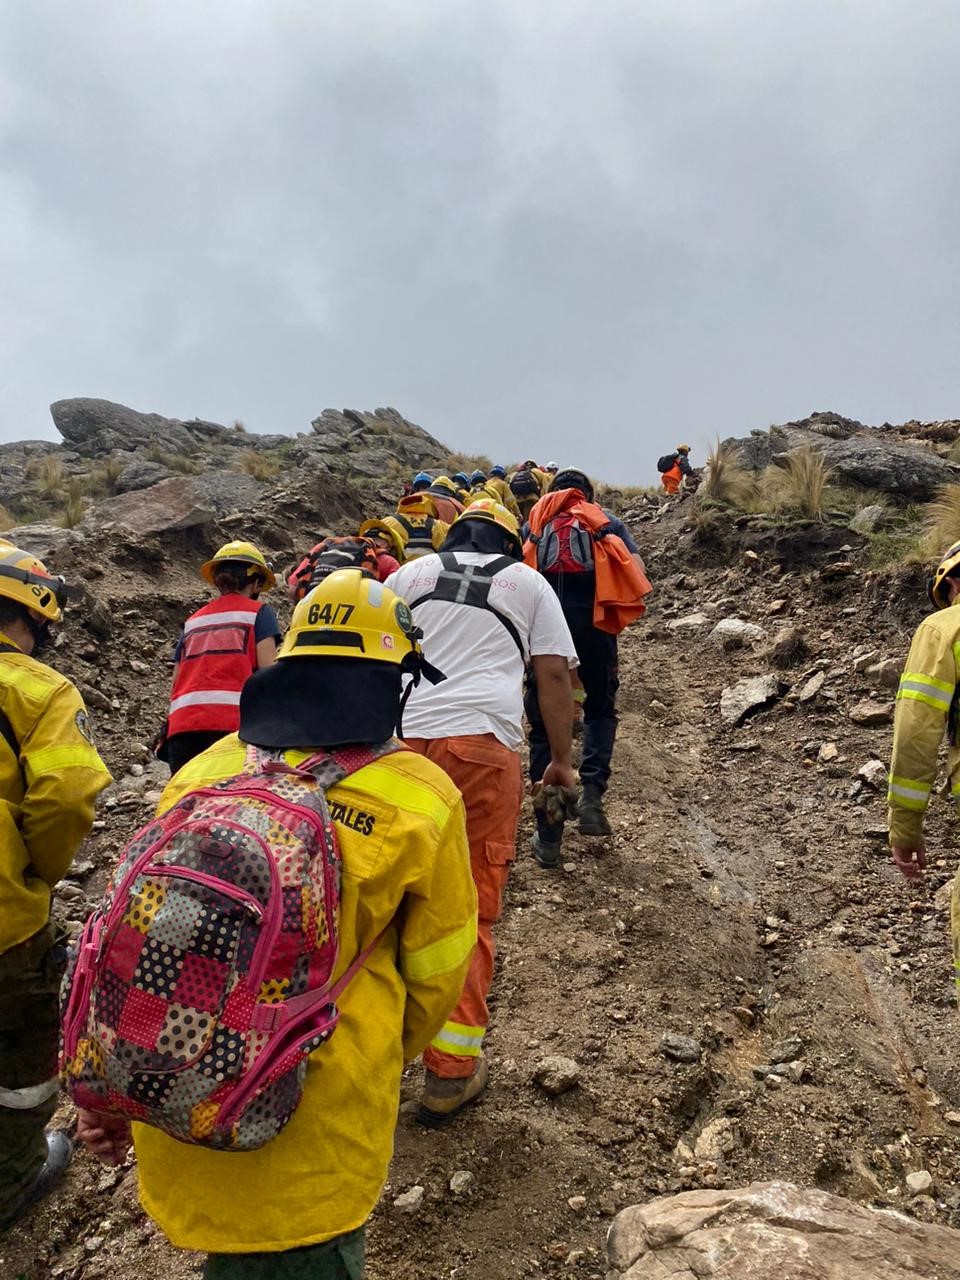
pixel 406 871
pixel 50 775
pixel 927 702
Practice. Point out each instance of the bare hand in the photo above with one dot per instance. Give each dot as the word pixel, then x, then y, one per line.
pixel 106 1137
pixel 560 775
pixel 910 862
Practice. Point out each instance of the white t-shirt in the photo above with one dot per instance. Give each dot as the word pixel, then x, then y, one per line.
pixel 483 691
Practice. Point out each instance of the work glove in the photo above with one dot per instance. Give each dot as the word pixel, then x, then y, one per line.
pixel 557 803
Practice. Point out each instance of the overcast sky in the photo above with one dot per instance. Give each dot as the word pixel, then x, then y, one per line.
pixel 583 229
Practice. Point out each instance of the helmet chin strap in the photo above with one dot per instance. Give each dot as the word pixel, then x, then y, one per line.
pixel 40 630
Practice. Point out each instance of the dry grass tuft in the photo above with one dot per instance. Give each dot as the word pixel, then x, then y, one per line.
pixel 726 479
pixel 942 520
pixel 257 465
pixel 48 475
pixel 7 519
pixel 74 508
pixel 803 481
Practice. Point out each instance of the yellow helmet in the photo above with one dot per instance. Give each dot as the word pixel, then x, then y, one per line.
pixel 26 580
pixel 683 448
pixel 350 616
pixel 936 587
pixel 380 529
pixel 242 553
pixel 445 483
pixel 495 513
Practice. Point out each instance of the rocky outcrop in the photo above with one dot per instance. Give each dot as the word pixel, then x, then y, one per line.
pixel 98 427
pixel 856 454
pixel 182 502
pixel 776 1231
pixel 141 474
pixel 367 443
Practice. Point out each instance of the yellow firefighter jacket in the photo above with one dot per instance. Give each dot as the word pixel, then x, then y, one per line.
pixel 400 824
pixel 501 491
pixel 924 699
pixel 50 776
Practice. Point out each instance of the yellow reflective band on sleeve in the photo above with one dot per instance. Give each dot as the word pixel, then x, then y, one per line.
pixel 943 685
pixel 913 689
pixel 440 956
pixel 459 1039
pixel 53 759
pixel 399 789
pixel 908 793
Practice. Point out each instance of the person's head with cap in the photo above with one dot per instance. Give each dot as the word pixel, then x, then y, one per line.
pixel 422 480
pixel 338 678
pixel 499 471
pixel 572 478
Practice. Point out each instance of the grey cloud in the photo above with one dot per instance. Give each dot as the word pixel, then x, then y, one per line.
pixel 578 229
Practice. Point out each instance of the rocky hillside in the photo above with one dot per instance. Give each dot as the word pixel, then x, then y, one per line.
pixel 733 988
pixel 907 462
pixel 110 452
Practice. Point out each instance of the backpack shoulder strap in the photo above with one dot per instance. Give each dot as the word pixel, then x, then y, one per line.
pixel 6 728
pixel 469 584
pixel 8 735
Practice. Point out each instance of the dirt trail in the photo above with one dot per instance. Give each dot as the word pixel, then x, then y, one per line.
pixel 745 898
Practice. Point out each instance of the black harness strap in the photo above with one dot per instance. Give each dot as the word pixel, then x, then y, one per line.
pixel 6 728
pixel 470 584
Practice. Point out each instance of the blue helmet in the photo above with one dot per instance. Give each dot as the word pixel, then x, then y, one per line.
pixel 461 479
pixel 478 477
pixel 422 480
pixel 499 471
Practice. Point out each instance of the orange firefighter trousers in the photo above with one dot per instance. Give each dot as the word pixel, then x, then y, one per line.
pixel 671 479
pixel 490 779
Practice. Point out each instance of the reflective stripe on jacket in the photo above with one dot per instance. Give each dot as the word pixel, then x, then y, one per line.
pixel 217 655
pixel 403 841
pixel 47 789
pixel 924 701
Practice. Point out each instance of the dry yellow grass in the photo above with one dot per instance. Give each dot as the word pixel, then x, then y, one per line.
pixel 257 465
pixel 803 481
pixel 942 520
pixel 726 479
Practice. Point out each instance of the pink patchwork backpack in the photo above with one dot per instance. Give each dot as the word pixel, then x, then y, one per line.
pixel 203 982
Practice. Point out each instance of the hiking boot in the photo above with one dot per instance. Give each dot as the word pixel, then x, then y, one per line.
pixel 59 1155
pixel 443 1099
pixel 546 852
pixel 593 820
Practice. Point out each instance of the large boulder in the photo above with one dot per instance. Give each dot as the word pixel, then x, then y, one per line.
pixel 367 443
pixel 47 541
pixel 182 502
pixel 97 427
pixel 776 1231
pixel 857 455
pixel 141 474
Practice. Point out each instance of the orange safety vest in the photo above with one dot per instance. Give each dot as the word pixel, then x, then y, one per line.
pixel 620 584
pixel 217 655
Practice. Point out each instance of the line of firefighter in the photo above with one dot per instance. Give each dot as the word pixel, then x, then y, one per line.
pixel 489 616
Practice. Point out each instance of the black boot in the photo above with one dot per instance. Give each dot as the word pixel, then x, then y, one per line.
pixel 593 820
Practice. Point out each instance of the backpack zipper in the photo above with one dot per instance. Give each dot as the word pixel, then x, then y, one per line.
pixel 222 887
